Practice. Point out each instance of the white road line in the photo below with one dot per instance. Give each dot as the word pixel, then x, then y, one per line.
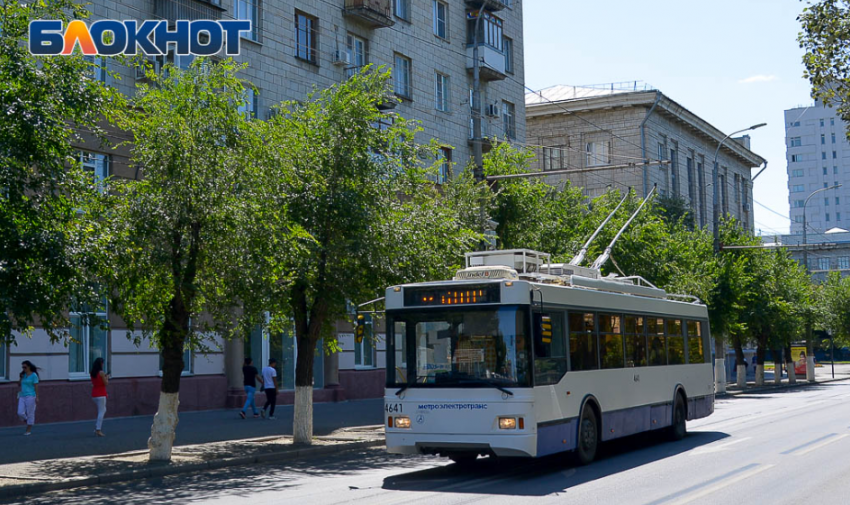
pixel 726 483
pixel 716 448
pixel 822 444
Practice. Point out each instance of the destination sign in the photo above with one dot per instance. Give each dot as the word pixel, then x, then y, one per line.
pixel 452 295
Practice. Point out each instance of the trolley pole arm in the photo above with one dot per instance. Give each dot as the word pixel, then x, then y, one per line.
pixel 578 258
pixel 607 254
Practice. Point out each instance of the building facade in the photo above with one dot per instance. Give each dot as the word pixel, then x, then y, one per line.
pixel 818 156
pixel 600 137
pixel 295 47
pixel 826 253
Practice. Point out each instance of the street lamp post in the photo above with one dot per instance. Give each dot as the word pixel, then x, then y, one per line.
pixel 810 359
pixel 719 353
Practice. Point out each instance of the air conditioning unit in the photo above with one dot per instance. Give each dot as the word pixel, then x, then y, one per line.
pixel 342 58
pixel 746 206
pixel 492 110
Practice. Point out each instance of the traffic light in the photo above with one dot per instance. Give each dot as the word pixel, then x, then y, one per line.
pixel 360 329
pixel 546 329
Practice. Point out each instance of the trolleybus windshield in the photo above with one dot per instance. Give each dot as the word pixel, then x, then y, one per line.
pixel 469 347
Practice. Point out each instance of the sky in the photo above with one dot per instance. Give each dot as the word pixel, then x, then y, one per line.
pixel 734 63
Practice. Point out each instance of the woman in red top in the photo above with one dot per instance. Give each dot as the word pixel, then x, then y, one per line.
pixel 99 380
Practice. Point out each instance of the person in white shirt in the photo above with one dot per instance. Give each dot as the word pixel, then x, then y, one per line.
pixel 270 387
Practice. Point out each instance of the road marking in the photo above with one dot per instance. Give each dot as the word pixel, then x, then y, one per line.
pixel 723 484
pixel 822 444
pixel 716 448
pixel 795 449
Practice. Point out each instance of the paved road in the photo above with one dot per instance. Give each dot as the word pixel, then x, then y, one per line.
pixel 63 440
pixel 782 447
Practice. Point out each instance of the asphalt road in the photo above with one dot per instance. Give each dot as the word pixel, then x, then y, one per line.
pixel 783 447
pixel 65 440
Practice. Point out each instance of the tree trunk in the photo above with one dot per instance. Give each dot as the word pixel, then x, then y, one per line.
pixel 789 366
pixel 165 420
pixel 302 422
pixel 719 366
pixel 741 368
pixel 761 350
pixel 777 366
pixel 810 353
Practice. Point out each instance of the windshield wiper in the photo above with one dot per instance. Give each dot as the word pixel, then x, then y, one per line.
pixel 402 390
pixel 486 383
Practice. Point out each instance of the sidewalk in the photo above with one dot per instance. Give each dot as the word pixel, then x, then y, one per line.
pixel 20 479
pixel 822 374
pixel 76 439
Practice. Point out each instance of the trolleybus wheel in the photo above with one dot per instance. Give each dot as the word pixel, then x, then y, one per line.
pixel 588 437
pixel 463 459
pixel 678 429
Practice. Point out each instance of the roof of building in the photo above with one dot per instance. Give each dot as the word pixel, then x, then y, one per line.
pixel 562 99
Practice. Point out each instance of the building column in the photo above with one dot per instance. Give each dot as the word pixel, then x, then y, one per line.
pixel 234 357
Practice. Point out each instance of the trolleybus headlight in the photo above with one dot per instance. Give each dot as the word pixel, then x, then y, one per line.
pixel 402 422
pixel 507 423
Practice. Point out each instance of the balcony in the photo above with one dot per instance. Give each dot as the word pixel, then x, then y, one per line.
pixel 373 13
pixel 492 5
pixel 488 132
pixel 172 10
pixel 492 63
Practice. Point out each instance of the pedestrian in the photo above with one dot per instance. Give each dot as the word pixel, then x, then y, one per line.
pixel 249 379
pixel 28 397
pixel 99 381
pixel 270 387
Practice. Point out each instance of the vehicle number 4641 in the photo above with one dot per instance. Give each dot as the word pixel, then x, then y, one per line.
pixel 393 408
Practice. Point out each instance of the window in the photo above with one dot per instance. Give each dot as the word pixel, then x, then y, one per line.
pixel 553 158
pixel 701 182
pixel 798 203
pixel 610 341
pixel 655 337
pixel 635 341
pixel 832 121
pixel 798 188
pixel 825 172
pixel 445 155
pixel 796 157
pixel 723 200
pixel 97 68
pixel 825 185
pixel 582 342
pixel 674 170
pixel 489 31
pixel 250 106
pixel 834 170
pixel 737 187
pixel 838 216
pixel 675 342
pixel 796 142
pixel 826 202
pixel 823 263
pixel 550 358
pixel 355 47
pixel 827 217
pixel 596 153
pixel 249 9
pixel 508 47
pixel 364 351
pixel 441 28
pixel 689 162
pixel 822 139
pixel 823 155
pixel 509 119
pixel 837 200
pixel 442 92
pixel 797 172
pixel 696 352
pixel 97 165
pixel 843 264
pixel 401 76
pixel 821 123
pixel 402 9
pixel 834 155
pixel 306 37
pixel 795 123
pixel 798 219
pixel 833 138
pixel 89 335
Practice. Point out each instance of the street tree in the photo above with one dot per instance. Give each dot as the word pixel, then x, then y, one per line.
pixel 46 103
pixel 187 241
pixel 834 298
pixel 360 187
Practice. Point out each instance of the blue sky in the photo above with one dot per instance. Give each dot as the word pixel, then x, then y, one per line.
pixel 734 63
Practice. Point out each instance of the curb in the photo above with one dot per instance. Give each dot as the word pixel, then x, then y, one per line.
pixel 773 387
pixel 18 490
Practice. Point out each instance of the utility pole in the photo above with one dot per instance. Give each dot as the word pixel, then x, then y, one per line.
pixel 478 157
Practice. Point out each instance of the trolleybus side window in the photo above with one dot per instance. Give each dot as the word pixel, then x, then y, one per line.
pixel 399 352
pixel 550 349
pixel 610 341
pixel 635 341
pixel 696 353
pixel 583 355
pixel 655 336
pixel 675 342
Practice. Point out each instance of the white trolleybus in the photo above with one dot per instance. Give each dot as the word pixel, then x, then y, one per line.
pixel 519 357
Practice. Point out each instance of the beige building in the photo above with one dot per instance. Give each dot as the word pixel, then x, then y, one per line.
pixel 622 137
pixel 295 46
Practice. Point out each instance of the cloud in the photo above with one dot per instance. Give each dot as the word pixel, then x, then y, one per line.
pixel 758 78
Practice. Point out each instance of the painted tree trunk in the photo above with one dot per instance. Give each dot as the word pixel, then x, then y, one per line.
pixel 164 426
pixel 761 351
pixel 789 366
pixel 302 422
pixel 741 368
pixel 742 375
pixel 719 366
pixel 777 366
pixel 759 375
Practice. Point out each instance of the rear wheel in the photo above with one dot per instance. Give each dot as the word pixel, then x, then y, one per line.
pixel 588 437
pixel 678 429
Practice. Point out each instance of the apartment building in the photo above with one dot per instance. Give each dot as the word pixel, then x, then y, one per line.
pixel 598 137
pixel 295 47
pixel 818 157
pixel 826 252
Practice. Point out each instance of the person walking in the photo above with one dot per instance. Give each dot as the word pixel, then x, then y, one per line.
pixel 28 397
pixel 270 387
pixel 99 381
pixel 249 379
